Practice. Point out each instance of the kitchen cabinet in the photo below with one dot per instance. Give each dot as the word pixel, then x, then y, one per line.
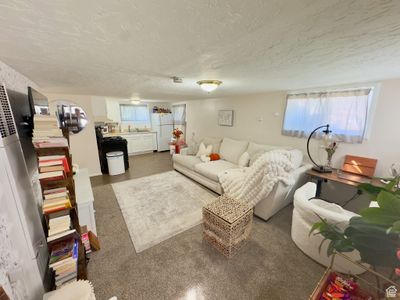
pixel 141 142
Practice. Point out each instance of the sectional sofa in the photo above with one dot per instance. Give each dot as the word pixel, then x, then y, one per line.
pixel 206 173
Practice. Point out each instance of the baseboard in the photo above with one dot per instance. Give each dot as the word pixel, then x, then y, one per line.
pixel 95 174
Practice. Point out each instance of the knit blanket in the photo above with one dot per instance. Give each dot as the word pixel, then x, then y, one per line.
pixel 254 183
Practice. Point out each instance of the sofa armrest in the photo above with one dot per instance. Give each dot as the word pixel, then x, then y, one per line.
pixel 187 151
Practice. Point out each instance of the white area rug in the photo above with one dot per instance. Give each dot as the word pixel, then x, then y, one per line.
pixel 160 206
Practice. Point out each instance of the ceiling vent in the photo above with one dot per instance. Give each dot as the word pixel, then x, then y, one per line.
pixel 177 79
pixel 7 125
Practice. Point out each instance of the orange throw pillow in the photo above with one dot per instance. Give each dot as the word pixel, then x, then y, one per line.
pixel 214 156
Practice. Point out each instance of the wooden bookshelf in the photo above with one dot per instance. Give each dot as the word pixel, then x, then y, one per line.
pixel 67 182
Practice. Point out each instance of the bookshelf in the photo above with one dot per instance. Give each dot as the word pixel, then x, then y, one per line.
pixel 66 182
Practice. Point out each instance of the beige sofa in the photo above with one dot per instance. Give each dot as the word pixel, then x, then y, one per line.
pixel 206 173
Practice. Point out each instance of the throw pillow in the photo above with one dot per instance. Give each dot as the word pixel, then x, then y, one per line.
pixel 256 156
pixel 203 150
pixel 231 150
pixel 244 160
pixel 204 158
pixel 214 156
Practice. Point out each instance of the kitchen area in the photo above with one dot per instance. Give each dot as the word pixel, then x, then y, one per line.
pixel 134 127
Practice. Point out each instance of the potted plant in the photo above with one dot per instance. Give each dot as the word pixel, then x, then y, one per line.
pixel 375 233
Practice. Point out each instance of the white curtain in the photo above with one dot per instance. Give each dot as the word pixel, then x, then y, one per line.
pixel 345 111
pixel 179 114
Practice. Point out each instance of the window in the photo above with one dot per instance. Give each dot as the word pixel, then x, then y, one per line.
pixel 138 114
pixel 179 116
pixel 345 111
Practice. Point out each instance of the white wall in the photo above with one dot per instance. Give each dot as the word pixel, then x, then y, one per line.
pixel 83 145
pixel 259 118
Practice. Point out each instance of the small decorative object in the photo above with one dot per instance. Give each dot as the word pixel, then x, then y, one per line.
pixel 177 141
pixel 327 140
pixel 177 133
pixel 330 150
pixel 225 118
pixel 214 156
pixel 227 224
pixel 161 110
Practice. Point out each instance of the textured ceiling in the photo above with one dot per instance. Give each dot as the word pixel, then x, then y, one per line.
pixel 131 47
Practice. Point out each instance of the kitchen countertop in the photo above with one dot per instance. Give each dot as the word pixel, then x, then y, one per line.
pixel 128 133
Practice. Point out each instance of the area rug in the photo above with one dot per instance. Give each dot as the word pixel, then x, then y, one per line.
pixel 160 206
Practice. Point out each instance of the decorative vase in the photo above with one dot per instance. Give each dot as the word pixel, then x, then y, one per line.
pixel 330 153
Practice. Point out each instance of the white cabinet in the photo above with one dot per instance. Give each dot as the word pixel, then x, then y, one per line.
pixel 84 200
pixel 141 142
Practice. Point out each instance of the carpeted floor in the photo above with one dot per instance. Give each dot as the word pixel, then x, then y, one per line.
pixel 184 267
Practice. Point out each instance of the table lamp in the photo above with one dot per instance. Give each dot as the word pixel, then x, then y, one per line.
pixel 326 139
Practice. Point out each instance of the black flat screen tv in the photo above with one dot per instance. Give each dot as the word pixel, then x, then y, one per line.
pixel 39 103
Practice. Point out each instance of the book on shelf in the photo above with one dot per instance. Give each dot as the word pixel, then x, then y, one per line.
pixel 55 190
pixel 50 176
pixel 64 261
pixel 61 235
pixel 46 126
pixel 51 163
pixel 56 204
pixel 49 142
pixel 59 224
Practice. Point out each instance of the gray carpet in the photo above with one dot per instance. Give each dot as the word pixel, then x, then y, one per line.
pixel 184 267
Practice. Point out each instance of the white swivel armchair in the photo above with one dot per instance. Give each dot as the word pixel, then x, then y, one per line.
pixel 305 215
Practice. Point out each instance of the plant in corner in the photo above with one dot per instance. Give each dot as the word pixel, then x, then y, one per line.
pixel 375 233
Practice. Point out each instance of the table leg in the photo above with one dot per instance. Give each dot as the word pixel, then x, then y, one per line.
pixel 319 188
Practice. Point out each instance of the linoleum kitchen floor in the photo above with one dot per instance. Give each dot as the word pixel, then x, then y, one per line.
pixel 269 266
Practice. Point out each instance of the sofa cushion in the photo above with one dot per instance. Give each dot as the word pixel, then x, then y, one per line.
pixel 256 150
pixel 214 141
pixel 231 150
pixel 212 169
pixel 244 160
pixel 296 156
pixel 188 161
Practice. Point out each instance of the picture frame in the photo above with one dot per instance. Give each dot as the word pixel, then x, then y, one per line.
pixel 225 118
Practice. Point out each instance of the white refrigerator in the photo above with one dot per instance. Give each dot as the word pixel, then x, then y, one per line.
pixel 162 123
pixel 23 248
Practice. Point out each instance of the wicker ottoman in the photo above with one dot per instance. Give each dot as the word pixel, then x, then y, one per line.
pixel 227 224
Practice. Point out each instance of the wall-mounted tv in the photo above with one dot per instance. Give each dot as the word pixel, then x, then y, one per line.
pixel 38 102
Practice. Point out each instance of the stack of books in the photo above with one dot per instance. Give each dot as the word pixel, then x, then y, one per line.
pixel 59 222
pixel 53 167
pixel 64 261
pixel 55 200
pixel 46 133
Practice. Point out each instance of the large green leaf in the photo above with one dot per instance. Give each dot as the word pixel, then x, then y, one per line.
pixel 388 211
pixel 376 246
pixel 370 189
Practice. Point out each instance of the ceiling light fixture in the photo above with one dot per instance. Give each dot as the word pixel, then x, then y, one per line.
pixel 209 85
pixel 135 102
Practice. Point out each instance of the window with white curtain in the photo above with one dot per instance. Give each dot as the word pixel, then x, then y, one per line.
pixel 137 114
pixel 179 114
pixel 345 111
pixel 179 117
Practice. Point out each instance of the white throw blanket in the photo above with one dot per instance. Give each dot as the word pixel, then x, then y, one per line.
pixel 254 183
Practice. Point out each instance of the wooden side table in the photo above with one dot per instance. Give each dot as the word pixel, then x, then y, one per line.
pixel 324 177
